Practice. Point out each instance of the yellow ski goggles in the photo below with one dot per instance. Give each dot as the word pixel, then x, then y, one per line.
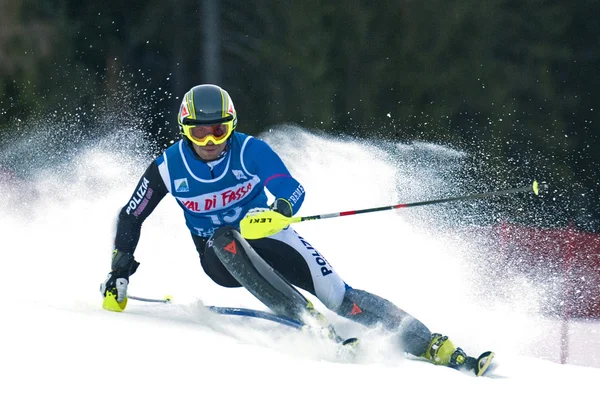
pixel 203 134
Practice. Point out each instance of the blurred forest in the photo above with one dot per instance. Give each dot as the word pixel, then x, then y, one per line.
pixel 514 83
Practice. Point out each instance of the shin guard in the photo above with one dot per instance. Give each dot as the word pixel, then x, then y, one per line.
pixel 256 275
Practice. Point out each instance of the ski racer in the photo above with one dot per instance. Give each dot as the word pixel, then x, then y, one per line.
pixel 218 175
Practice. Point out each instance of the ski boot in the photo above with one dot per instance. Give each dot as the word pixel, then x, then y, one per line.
pixel 442 351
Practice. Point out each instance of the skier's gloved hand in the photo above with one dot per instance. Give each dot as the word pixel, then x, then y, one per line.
pixel 282 206
pixel 123 266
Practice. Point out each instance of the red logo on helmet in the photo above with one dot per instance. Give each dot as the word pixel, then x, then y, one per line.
pixel 184 111
pixel 231 110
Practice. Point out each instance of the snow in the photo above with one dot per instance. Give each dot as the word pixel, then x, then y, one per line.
pixel 57 341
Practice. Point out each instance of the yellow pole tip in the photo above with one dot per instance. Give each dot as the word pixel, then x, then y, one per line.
pixel 168 298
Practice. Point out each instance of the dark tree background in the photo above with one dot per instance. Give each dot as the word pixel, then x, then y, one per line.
pixel 513 82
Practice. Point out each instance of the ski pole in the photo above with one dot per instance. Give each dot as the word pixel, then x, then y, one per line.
pixel 270 222
pixel 229 311
pixel 166 299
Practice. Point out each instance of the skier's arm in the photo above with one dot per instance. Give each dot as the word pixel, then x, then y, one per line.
pixel 269 167
pixel 149 191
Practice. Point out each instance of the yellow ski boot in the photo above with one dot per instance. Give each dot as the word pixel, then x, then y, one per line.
pixel 443 352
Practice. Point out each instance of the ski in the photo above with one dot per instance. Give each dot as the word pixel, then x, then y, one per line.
pixel 231 311
pixel 480 365
pixel 286 321
pixel 483 363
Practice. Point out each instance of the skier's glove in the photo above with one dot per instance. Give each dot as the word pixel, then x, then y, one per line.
pixel 115 285
pixel 282 206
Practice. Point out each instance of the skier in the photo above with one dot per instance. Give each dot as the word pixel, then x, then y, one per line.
pixel 218 176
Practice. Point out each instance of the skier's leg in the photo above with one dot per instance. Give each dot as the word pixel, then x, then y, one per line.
pixel 212 265
pixel 370 310
pixel 303 266
pixel 248 268
pixel 251 271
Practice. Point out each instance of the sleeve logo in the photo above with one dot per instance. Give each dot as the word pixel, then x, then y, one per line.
pixel 138 197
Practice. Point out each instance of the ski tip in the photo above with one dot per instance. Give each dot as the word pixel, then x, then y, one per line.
pixel 351 342
pixel 168 298
pixel 536 187
pixel 483 363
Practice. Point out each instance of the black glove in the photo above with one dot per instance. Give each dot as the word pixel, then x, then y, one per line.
pixel 123 266
pixel 282 206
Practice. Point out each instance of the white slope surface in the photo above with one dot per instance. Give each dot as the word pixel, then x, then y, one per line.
pixel 56 237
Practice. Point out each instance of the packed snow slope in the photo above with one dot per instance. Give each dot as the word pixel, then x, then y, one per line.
pixel 57 216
